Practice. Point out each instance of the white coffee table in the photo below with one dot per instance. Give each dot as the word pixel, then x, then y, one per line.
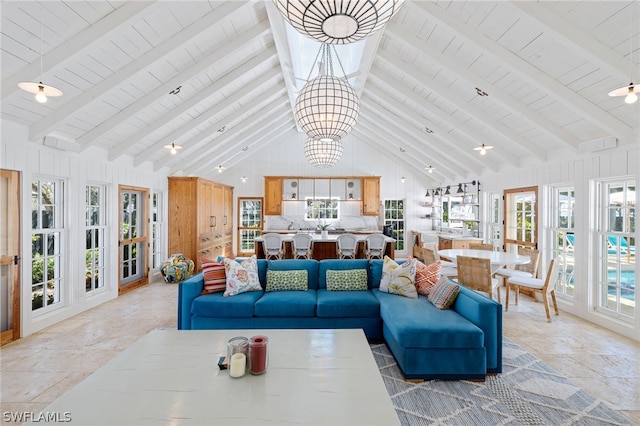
pixel 171 377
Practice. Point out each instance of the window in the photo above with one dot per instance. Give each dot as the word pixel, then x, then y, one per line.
pixel 322 208
pixel 46 243
pixel 394 217
pixel 617 249
pixel 157 257
pixel 95 231
pixel 249 224
pixel 561 236
pixel 494 224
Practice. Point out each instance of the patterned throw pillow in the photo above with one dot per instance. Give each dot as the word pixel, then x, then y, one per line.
pixel 287 280
pixel 347 280
pixel 241 276
pixel 399 279
pixel 444 293
pixel 215 278
pixel 427 276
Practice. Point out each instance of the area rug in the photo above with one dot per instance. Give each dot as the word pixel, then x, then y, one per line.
pixel 528 392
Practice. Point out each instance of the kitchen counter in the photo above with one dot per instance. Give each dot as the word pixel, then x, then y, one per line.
pixel 326 247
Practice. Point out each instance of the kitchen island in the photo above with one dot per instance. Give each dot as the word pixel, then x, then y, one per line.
pixel 325 247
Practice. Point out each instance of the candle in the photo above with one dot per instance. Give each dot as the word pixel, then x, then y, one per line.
pixel 258 354
pixel 238 365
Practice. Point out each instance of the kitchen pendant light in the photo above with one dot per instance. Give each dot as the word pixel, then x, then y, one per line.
pixel 460 190
pixel 631 90
pixel 173 148
pixel 323 153
pixel 41 90
pixel 337 21
pixel 327 106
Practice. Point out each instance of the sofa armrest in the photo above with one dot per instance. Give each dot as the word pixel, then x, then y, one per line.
pixel 487 315
pixel 188 290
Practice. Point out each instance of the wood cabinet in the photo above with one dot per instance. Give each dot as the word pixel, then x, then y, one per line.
pixel 371 195
pixel 200 218
pixel 272 195
pixel 445 243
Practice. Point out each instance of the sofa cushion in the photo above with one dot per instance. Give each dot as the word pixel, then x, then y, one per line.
pixel 399 279
pixel 348 280
pixel 310 265
pixel 217 306
pixel 338 265
pixel 375 272
pixel 293 280
pixel 417 323
pixel 337 304
pixel 444 293
pixel 241 276
pixel 427 276
pixel 215 278
pixel 287 304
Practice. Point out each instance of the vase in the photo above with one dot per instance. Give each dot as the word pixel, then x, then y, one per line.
pixel 324 233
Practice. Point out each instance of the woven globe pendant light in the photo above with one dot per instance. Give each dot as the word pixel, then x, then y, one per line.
pixel 323 152
pixel 327 106
pixel 337 21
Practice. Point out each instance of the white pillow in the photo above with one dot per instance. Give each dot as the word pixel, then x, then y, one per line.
pixel 241 276
pixel 399 279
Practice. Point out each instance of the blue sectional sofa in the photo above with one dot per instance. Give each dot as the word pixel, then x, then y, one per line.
pixel 464 342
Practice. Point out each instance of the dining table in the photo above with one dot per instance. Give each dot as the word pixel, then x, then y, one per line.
pixel 498 259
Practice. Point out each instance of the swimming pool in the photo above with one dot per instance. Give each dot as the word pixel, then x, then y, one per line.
pixel 627 284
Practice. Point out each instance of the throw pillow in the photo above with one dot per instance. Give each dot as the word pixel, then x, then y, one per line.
pixel 287 280
pixel 399 279
pixel 444 293
pixel 241 276
pixel 347 280
pixel 215 278
pixel 427 276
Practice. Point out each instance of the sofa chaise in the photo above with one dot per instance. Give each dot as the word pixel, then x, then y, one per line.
pixel 463 342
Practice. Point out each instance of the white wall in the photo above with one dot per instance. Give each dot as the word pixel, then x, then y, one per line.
pixel 77 169
pixel 579 171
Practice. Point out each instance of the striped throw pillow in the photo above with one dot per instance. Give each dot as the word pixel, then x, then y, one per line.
pixel 215 278
pixel 444 293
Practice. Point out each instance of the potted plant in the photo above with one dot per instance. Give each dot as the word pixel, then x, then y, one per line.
pixel 324 229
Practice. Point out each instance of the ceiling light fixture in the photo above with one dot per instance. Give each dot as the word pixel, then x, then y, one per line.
pixel 429 169
pixel 447 192
pixel 460 190
pixel 173 148
pixel 220 168
pixel 629 91
pixel 402 179
pixel 41 90
pixel 243 179
pixel 323 153
pixel 327 106
pixel 483 149
pixel 337 21
pixel 427 194
pixel 481 92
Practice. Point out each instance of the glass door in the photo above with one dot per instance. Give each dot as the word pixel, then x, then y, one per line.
pixel 520 218
pixel 9 255
pixel 133 238
pixel 250 223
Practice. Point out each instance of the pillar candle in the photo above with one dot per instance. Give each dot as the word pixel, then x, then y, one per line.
pixel 258 354
pixel 238 365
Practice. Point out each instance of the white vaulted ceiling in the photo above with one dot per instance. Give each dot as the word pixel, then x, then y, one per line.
pixel 546 67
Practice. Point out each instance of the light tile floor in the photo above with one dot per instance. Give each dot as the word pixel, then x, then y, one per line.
pixel 38 369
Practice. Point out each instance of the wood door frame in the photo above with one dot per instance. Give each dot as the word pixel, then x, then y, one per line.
pixel 13 261
pixel 505 239
pixel 144 239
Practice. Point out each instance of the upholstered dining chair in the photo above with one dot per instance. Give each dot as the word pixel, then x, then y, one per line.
pixel 272 245
pixel 475 273
pixel 347 246
pixel 302 246
pixel 537 285
pixel 375 245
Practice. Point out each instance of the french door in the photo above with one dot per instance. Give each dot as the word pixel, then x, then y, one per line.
pixel 250 223
pixel 133 238
pixel 520 218
pixel 9 255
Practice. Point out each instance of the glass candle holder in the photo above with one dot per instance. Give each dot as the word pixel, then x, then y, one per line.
pixel 237 345
pixel 258 354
